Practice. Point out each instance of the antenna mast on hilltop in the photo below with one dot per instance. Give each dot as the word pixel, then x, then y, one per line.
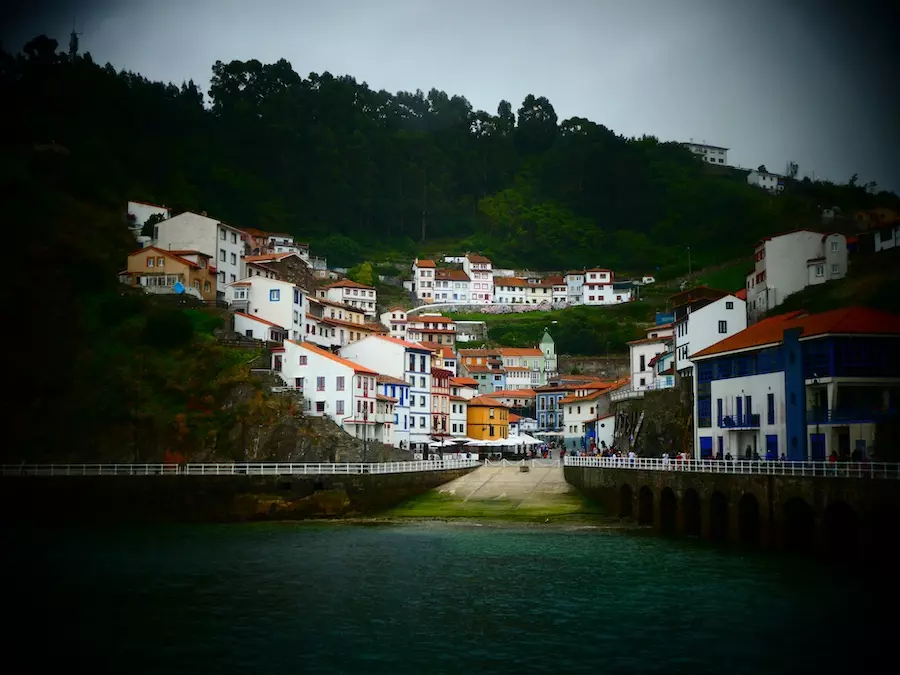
pixel 73 42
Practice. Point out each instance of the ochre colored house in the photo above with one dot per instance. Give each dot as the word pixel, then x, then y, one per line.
pixel 487 419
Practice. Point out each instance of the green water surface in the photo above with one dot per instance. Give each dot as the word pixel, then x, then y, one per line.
pixel 425 598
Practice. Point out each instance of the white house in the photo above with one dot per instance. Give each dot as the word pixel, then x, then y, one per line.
pixel 280 303
pixel 765 180
pixel 560 293
pixel 258 328
pixel 451 285
pixel 703 323
pixel 789 262
pixel 598 288
pixel 712 154
pixel 352 293
pixel 462 390
pixel 423 280
pixel 574 287
pixel 479 269
pixel 640 354
pixel 407 361
pixel 398 390
pixel 335 387
pixel 197 232
pixel 395 320
pixel 334 324
pixel 140 212
pixel 431 329
pixel 799 385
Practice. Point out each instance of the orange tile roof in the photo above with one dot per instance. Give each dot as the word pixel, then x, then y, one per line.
pixel 667 338
pixel 517 369
pixel 514 418
pixel 486 401
pixel 267 257
pixel 587 397
pixel 459 398
pixel 477 258
pixel 382 397
pixel 349 283
pixel 741 294
pixel 404 343
pixel 463 381
pixel 481 369
pixel 337 359
pixel 424 318
pixel 168 254
pixel 514 393
pixel 425 263
pixel 256 318
pixel 770 331
pixel 520 351
pixel 555 280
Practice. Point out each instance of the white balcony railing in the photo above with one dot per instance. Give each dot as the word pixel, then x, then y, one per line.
pixel 231 469
pixel 889 470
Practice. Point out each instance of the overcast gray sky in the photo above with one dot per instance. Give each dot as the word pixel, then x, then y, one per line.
pixel 814 81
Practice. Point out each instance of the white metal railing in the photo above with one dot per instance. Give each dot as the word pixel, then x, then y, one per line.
pixel 231 469
pixel 533 463
pixel 770 468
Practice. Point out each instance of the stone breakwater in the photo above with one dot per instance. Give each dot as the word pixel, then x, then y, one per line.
pixel 208 499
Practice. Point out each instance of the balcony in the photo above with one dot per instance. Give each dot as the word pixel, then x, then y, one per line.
pixel 739 422
pixel 850 415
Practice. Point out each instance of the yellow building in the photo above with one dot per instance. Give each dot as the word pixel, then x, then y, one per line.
pixel 159 270
pixel 487 419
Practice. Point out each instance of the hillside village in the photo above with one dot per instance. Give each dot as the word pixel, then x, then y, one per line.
pixel 402 377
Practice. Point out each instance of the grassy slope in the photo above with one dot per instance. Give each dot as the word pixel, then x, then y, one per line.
pixel 872 282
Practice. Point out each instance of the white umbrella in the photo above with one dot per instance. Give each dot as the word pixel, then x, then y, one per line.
pixel 525 439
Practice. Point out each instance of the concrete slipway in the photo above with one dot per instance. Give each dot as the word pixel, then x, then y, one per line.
pixel 527 490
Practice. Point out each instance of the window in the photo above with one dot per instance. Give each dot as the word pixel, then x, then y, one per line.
pixel 412 366
pixel 770 408
pixel 234 237
pixel 422 382
pixel 233 278
pixel 222 254
pixel 421 421
pixel 206 287
pixel 296 296
pixel 643 363
pixel 274 295
pixel 160 262
pixel 723 326
pixel 234 259
pixel 339 409
pixel 834 269
pixel 421 364
pixel 340 383
pixel 249 332
pixel 222 277
pixel 422 401
pixel 491 430
pixel 729 304
pixel 820 270
pixel 834 246
pixel 221 234
pixel 151 262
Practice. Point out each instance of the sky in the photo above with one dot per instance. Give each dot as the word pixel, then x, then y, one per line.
pixel 810 81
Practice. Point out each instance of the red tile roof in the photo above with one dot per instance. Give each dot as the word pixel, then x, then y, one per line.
pixel 514 393
pixel 425 263
pixel 520 351
pixel 337 359
pixel 450 275
pixel 477 258
pixel 256 318
pixel 349 283
pixel 463 382
pixel 388 379
pixel 404 343
pixel 770 331
pixel 741 294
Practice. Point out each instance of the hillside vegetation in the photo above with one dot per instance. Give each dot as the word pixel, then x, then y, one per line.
pixel 379 175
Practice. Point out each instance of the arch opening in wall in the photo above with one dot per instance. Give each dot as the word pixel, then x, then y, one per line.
pixel 841 530
pixel 749 523
pixel 718 517
pixel 645 506
pixel 668 511
pixel 692 513
pixel 626 499
pixel 798 526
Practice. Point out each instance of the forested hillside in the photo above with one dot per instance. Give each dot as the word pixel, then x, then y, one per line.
pixel 355 170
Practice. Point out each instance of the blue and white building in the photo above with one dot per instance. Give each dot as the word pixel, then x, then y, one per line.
pixel 801 386
pixel 398 390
